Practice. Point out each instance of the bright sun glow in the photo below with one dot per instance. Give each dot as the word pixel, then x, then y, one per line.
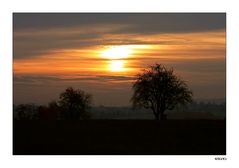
pixel 117 65
pixel 117 52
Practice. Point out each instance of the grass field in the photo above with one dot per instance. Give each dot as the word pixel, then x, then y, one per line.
pixel 131 137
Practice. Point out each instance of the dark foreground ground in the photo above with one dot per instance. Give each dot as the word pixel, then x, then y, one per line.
pixel 98 137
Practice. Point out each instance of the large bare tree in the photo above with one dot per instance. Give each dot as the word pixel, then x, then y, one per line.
pixel 159 89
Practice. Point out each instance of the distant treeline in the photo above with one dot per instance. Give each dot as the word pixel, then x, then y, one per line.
pixel 52 112
pixel 203 107
pixel 196 110
pixel 39 112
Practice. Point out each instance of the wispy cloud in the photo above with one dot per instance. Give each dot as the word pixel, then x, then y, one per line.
pixel 141 22
pixel 31 79
pixel 37 34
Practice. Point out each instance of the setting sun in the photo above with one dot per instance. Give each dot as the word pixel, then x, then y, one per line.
pixel 117 55
pixel 117 52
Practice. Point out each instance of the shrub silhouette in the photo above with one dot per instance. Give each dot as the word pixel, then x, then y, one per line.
pixel 25 112
pixel 159 89
pixel 75 103
pixel 50 112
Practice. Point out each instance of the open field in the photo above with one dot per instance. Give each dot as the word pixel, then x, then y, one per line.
pixel 171 137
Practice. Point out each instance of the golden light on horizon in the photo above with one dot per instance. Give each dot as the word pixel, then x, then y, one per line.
pixel 125 59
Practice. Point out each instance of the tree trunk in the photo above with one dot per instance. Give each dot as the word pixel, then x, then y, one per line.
pixel 163 116
pixel 156 113
pixel 156 116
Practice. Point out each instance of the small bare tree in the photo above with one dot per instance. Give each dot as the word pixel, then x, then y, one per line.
pixel 75 103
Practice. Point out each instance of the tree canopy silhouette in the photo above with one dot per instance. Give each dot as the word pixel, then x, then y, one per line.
pixel 159 89
pixel 75 103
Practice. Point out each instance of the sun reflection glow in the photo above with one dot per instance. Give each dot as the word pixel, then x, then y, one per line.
pixel 117 65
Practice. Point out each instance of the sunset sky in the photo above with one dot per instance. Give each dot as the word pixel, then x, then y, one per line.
pixel 102 53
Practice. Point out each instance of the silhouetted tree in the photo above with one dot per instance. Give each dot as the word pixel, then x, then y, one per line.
pixel 25 112
pixel 160 89
pixel 74 103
